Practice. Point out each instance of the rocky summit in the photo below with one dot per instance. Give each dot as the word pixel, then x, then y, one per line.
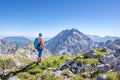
pixel 69 41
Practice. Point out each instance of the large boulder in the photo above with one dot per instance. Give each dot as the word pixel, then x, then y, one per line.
pixel 103 67
pixel 116 67
pixel 103 77
pixel 91 54
pixel 14 78
pixel 103 50
pixel 117 41
pixel 88 68
pixel 108 58
pixel 117 53
pixel 68 62
pixel 56 73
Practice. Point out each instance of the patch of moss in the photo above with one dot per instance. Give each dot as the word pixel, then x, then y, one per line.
pixel 99 53
pixel 24 76
pixel 113 76
pixel 88 60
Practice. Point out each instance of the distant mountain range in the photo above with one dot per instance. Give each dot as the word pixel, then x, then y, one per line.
pixel 96 38
pixel 69 41
pixel 18 41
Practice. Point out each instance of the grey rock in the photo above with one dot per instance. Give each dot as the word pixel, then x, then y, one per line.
pixel 88 68
pixel 103 50
pixel 39 78
pixel 112 46
pixel 117 53
pixel 117 41
pixel 103 77
pixel 14 78
pixel 101 44
pixel 103 68
pixel 108 58
pixel 116 67
pixel 56 73
pixel 68 62
pixel 91 54
pixel 5 47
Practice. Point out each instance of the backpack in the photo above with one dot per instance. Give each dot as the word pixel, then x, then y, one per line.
pixel 38 43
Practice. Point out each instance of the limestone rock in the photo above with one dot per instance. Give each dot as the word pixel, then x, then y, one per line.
pixel 103 67
pixel 91 54
pixel 103 77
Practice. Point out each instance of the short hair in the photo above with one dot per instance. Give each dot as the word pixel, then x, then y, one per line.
pixel 40 34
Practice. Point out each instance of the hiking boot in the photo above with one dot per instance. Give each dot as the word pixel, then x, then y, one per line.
pixel 37 63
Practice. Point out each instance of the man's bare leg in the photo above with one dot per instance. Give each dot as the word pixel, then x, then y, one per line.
pixel 38 60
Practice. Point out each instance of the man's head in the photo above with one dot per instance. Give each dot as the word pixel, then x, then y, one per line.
pixel 40 34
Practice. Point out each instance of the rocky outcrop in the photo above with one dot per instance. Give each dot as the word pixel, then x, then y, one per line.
pixel 31 53
pixel 91 54
pixel 73 66
pixel 5 47
pixel 103 67
pixel 113 45
pixel 14 78
pixel 19 57
pixel 103 77
pixel 117 41
pixel 112 59
pixel 103 50
pixel 117 53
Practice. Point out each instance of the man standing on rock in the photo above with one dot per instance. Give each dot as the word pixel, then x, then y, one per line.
pixel 39 45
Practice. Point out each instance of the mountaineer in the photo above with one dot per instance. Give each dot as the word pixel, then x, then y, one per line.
pixel 39 45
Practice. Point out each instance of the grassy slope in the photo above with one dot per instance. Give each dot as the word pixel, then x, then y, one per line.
pixel 33 72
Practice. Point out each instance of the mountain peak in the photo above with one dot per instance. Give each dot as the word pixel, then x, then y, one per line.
pixel 69 41
pixel 74 30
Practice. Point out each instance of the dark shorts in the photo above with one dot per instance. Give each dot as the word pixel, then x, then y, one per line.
pixel 40 53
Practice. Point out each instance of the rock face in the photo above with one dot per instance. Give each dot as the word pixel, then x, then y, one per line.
pixel 5 47
pixel 113 45
pixel 117 53
pixel 103 50
pixel 91 54
pixel 20 56
pixel 72 64
pixel 113 59
pixel 103 77
pixel 14 78
pixel 117 41
pixel 103 67
pixel 69 41
pixel 30 52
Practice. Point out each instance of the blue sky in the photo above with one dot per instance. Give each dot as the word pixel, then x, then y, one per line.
pixel 29 17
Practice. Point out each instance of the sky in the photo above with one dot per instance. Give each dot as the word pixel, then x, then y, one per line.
pixel 30 17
